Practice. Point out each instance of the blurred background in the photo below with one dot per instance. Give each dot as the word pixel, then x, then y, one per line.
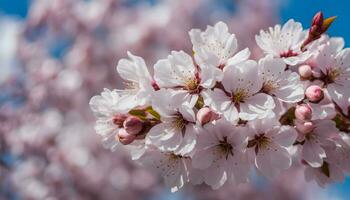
pixel 56 54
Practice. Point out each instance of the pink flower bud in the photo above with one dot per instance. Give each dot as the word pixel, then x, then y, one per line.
pixel 205 115
pixel 305 71
pixel 124 137
pixel 314 93
pixel 133 125
pixel 318 19
pixel 303 112
pixel 304 127
pixel 119 119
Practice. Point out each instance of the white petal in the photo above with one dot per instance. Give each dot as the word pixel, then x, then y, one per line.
pixel 210 75
pixel 175 70
pixel 202 159
pixel 133 69
pixel 217 99
pixel 243 76
pixel 313 154
pixel 271 161
pixel 257 106
pixel 239 57
pixel 286 136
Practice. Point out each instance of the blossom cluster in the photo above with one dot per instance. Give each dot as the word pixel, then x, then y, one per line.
pixel 59 57
pixel 214 116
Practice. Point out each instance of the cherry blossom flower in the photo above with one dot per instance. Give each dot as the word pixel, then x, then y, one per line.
pixel 269 142
pixel 220 154
pixel 176 132
pixel 179 72
pixel 217 46
pixel 241 98
pixel 284 42
pixel 278 82
pixel 110 116
pixel 313 147
pixel 336 73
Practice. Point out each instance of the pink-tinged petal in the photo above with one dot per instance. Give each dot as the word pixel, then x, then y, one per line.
pixel 216 99
pixel 210 75
pixel 166 101
pixel 239 57
pixel 175 70
pixel 325 128
pixel 104 127
pixel 205 137
pixel 313 153
pixel 164 75
pixel 336 44
pixel 242 76
pixel 240 167
pixel 322 111
pixel 264 125
pixel 170 141
pixel 156 132
pixel 137 149
pixel 340 95
pixel 133 69
pixel 324 58
pixel 231 114
pixel 295 60
pixel 272 160
pixel 290 89
pixel 336 173
pixel 129 102
pixel 270 67
pixel 280 158
pixel 215 176
pixel 202 159
pixel 286 136
pixel 187 113
pixel 188 142
pixel 256 107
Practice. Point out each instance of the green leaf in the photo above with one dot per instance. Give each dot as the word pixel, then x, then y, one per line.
pixel 153 113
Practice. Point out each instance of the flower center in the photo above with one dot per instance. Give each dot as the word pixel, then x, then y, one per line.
pixel 191 84
pixel 173 156
pixel 288 54
pixel 269 86
pixel 179 123
pixel 225 148
pixel 332 75
pixel 259 142
pixel 239 95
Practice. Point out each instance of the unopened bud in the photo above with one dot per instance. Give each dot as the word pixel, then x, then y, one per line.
pixel 304 127
pixel 124 137
pixel 303 112
pixel 133 125
pixel 318 27
pixel 305 71
pixel 314 93
pixel 318 19
pixel 119 119
pixel 206 115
